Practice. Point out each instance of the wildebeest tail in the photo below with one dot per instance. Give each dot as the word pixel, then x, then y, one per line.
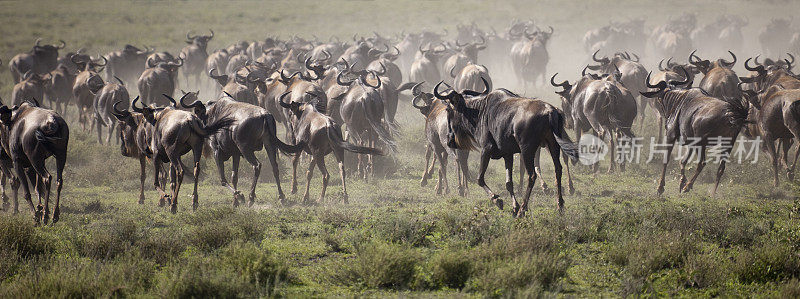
pixel 47 135
pixel 737 111
pixel 379 127
pixel 216 126
pixel 271 129
pixel 335 136
pixel 557 127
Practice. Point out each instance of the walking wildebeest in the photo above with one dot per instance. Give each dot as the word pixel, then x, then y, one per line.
pixel 40 60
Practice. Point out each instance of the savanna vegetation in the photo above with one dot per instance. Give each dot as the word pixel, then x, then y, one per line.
pixel 395 238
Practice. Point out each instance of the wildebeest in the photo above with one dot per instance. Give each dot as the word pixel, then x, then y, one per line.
pixel 471 77
pixel 31 135
pixel 777 117
pixel 235 85
pixel 31 87
pixel 719 80
pixel 40 60
pixel 195 55
pixel 135 135
pixel 127 64
pixel 158 57
pixel 632 75
pixel 320 135
pixel 465 54
pixel 87 83
pixel 104 99
pixel 502 128
pixel 58 90
pixel 695 118
pixel 426 69
pixel 157 80
pixel 599 104
pixel 251 128
pixel 362 110
pixel 175 133
pixel 436 129
pixel 529 57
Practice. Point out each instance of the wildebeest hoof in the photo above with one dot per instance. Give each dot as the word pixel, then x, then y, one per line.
pixel 789 174
pixel 497 201
pixel 660 190
pixel 56 215
pixel 423 183
pixel 571 189
pixel 173 209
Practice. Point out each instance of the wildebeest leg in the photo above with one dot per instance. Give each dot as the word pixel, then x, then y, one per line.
pixel 720 171
pixel 45 180
pixel 111 128
pixel 700 165
pixel 220 161
pixel 178 171
pixel 3 180
pixel 683 170
pixel 485 156
pixel 443 184
pixel 295 161
pixel 251 158
pixel 325 177
pixel 537 167
pixel 461 159
pixel 671 143
pixel 338 153
pixel 438 153
pixel 158 183
pixel 509 162
pixel 309 174
pixel 99 130
pixel 142 178
pixel 237 195
pixel 272 155
pixel 22 175
pixel 790 171
pixel 428 166
pixel 569 174
pixel 197 152
pixel 773 155
pixel 527 162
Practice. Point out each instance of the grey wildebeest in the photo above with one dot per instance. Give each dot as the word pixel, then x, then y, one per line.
pixel 471 77
pixel 777 116
pixel 719 80
pixel 175 133
pixel 693 117
pixel 30 136
pixel 87 83
pixel 465 54
pixel 104 99
pixel 157 80
pixel 127 64
pixel 251 129
pixel 320 135
pixel 633 75
pixel 58 89
pixel 425 68
pixel 158 57
pixel 236 86
pixel 362 110
pixel 135 135
pixel 436 129
pixel 195 55
pixel 502 128
pixel 40 60
pixel 31 87
pixel 600 104
pixel 529 57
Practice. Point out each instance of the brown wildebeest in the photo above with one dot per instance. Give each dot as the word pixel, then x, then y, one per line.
pixel 470 77
pixel 104 99
pixel 58 90
pixel 777 117
pixel 719 80
pixel 158 79
pixel 251 129
pixel 87 83
pixel 135 135
pixel 502 128
pixel 41 60
pixel 320 135
pixel 529 57
pixel 31 87
pixel 175 133
pixel 195 55
pixel 236 86
pixel 694 114
pixel 426 67
pixel 30 136
pixel 633 74
pixel 127 63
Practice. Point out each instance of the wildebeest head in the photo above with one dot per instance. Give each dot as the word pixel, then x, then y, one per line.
pixel 295 108
pixel 6 113
pixel 761 72
pixel 318 67
pixel 460 117
pixel 471 49
pixel 706 65
pixel 86 63
pixel 421 96
pixel 171 67
pixel 566 105
pixel 95 83
pixel 196 105
pixel 539 35
pixel 754 96
pixel 126 133
pixel 199 40
pixel 47 54
pixel 149 112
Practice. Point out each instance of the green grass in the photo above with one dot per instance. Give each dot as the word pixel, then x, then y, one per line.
pixel 616 237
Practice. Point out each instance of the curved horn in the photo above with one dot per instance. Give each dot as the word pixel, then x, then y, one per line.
pixel 788 64
pixel 105 61
pixel 414 102
pixel 564 84
pixel 339 80
pixel 647 81
pixel 62 46
pixel 734 59
pixel 594 56
pixel 133 105
pixel 364 80
pixel 327 55
pixel 583 72
pixel 383 69
pixel 669 63
pixel 458 44
pixel 677 83
pixel 194 104
pixel 756 60
pixel 38 40
pixel 398 51
pixel 116 111
pixel 415 89
pixel 750 68
pixel 212 33
pixel 660 68
pixel 790 56
pixel 692 55
pixel 189 37
pixel 284 104
pixel 436 91
pixel 485 86
pixel 451 71
pixel 637 57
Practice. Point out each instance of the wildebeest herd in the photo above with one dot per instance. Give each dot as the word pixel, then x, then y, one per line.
pixel 340 96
